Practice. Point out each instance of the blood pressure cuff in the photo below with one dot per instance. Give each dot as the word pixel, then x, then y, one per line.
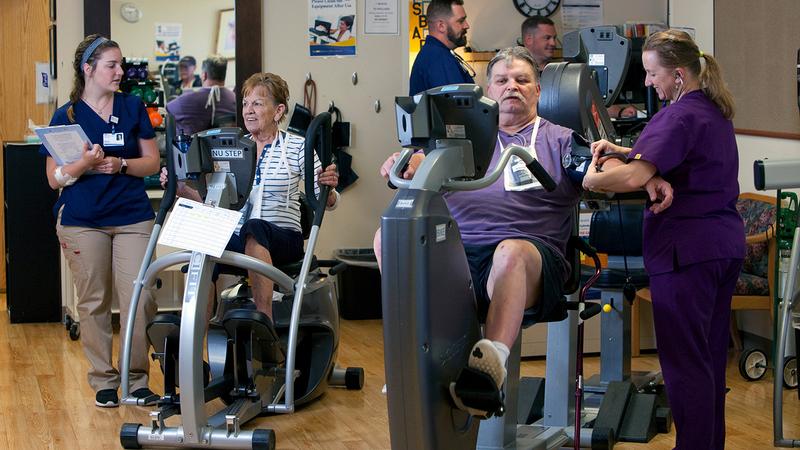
pixel 576 162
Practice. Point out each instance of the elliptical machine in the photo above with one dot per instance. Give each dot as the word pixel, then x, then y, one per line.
pixel 255 366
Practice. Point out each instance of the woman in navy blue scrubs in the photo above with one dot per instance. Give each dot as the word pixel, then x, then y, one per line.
pixel 104 217
pixel 693 249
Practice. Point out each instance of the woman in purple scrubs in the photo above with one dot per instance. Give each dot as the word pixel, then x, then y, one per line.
pixel 694 239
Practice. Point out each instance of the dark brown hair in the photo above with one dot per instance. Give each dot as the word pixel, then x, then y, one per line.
pixel 441 9
pixel 79 83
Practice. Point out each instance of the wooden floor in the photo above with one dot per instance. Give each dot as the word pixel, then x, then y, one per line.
pixel 46 403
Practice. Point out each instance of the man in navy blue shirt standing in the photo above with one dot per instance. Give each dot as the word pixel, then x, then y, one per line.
pixel 436 64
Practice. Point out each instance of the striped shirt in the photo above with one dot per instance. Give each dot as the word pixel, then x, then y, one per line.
pixel 279 174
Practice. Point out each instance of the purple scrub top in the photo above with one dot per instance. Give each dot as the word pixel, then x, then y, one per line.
pixel 490 215
pixel 693 147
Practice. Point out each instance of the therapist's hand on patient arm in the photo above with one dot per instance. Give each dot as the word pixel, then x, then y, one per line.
pixel 604 146
pixel 410 170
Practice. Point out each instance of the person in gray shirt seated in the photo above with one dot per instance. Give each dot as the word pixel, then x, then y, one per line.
pixel 210 106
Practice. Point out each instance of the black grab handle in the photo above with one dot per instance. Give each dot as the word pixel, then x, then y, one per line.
pixel 319 139
pixel 538 171
pixel 172 182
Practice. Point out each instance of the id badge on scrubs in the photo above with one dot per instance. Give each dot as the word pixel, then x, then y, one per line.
pixel 113 139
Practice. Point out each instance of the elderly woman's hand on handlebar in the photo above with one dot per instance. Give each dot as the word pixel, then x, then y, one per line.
pixel 182 190
pixel 328 177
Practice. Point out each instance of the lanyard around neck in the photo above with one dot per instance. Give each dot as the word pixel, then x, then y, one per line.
pixel 531 146
pixel 269 153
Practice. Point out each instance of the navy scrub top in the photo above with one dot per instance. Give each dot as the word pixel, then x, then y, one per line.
pixel 693 147
pixel 102 200
pixel 435 66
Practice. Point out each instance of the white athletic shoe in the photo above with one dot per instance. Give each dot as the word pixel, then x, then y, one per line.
pixel 486 358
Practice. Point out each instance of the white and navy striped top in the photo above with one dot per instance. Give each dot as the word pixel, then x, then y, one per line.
pixel 280 176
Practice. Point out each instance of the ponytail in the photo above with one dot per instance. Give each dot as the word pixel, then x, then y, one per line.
pixel 715 88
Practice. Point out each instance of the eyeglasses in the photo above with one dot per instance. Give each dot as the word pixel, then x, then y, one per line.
pixel 464 64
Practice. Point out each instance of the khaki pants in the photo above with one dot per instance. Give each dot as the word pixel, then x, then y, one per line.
pixel 102 261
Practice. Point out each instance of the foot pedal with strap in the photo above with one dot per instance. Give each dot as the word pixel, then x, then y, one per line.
pixel 257 351
pixel 476 392
pixel 243 325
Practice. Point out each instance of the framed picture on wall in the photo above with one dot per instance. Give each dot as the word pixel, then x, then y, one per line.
pixel 226 34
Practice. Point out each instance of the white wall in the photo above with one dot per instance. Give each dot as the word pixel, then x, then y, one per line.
pixel 697 14
pixel 199 34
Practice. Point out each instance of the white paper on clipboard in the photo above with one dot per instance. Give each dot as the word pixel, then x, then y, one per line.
pixel 64 142
pixel 200 228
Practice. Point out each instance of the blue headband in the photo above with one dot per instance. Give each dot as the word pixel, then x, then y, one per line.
pixel 90 49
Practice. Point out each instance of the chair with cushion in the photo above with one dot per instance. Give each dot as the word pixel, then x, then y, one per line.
pixel 756 284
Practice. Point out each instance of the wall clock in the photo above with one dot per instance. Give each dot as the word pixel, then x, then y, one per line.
pixel 130 12
pixel 529 8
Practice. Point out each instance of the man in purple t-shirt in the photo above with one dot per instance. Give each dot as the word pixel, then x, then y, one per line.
pixel 514 232
pixel 210 106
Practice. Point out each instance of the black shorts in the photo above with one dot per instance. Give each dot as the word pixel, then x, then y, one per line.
pixel 284 246
pixel 549 308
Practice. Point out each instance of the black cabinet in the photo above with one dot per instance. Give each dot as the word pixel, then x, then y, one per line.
pixel 33 277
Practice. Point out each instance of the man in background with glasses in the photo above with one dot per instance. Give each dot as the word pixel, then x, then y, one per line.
pixel 437 64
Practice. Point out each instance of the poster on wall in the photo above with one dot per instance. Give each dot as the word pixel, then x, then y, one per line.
pixel 168 41
pixel 417 28
pixel 332 27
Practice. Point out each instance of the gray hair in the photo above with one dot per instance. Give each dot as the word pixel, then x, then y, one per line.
pixel 509 54
pixel 216 67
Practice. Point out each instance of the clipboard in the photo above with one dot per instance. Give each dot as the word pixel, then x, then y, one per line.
pixel 63 142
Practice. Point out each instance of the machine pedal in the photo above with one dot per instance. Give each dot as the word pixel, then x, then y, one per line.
pixel 476 393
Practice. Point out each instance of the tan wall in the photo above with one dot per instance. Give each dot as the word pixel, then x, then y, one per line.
pixel 23 42
pixel 382 74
